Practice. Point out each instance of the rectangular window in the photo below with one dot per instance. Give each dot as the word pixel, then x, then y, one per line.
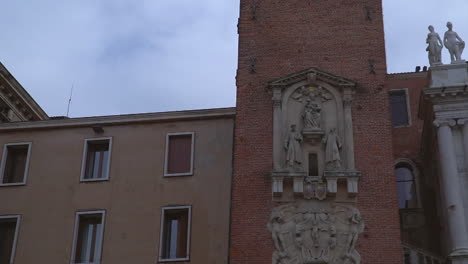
pixel 88 236
pixel 9 226
pixel 15 163
pixel 179 154
pixel 175 233
pixel 399 108
pixel 313 164
pixel 96 160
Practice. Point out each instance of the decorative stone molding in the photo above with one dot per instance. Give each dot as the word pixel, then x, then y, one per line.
pixel 315 233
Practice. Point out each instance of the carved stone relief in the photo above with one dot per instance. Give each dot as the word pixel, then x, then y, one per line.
pixel 315 233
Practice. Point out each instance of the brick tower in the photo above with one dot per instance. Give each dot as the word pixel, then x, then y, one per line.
pixel 332 45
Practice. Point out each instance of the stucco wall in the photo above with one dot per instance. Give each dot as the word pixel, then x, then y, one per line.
pixel 132 198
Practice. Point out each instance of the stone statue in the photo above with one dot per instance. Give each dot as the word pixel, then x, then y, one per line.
pixel 434 47
pixel 332 150
pixel 293 148
pixel 311 115
pixel 454 44
pixel 315 233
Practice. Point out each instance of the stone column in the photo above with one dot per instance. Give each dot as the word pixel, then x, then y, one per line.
pixel 348 130
pixel 453 199
pixel 464 124
pixel 277 140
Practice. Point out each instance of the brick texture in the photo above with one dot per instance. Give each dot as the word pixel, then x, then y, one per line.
pixel 342 37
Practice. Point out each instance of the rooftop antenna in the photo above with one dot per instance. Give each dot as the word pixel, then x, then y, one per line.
pixel 70 99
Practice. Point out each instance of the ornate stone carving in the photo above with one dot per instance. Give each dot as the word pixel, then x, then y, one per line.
pixel 332 150
pixel 293 148
pixel 314 188
pixel 434 47
pixel 454 44
pixel 315 233
pixel 312 115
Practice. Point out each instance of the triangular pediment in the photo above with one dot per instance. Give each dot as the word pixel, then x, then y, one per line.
pixel 15 102
pixel 311 75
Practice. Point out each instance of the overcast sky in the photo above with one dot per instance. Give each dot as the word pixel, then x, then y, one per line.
pixel 133 56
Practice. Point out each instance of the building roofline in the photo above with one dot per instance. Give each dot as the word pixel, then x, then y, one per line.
pixel 406 75
pixel 112 120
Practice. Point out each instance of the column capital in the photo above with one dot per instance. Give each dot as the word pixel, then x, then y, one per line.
pixel 462 121
pixel 444 122
pixel 277 98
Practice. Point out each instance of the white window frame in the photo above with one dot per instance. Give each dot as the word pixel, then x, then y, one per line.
pixel 166 174
pixel 75 233
pixel 161 232
pixel 85 153
pixel 15 239
pixel 4 159
pixel 408 105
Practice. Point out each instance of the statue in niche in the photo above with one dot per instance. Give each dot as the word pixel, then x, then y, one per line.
pixel 454 44
pixel 332 150
pixel 434 47
pixel 315 233
pixel 293 148
pixel 312 115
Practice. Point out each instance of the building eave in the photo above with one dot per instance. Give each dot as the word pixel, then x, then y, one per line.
pixel 189 115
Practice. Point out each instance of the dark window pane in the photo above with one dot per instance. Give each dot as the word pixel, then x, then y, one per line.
pixel 406 188
pixel 89 240
pixel 399 108
pixel 313 164
pixel 175 233
pixel 15 164
pixel 7 238
pixel 179 154
pixel 97 159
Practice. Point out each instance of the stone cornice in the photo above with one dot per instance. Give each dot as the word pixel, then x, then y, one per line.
pixel 190 115
pixel 304 75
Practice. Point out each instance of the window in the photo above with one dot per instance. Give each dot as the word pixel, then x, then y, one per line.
pixel 9 226
pixel 96 159
pixel 15 163
pixel 179 154
pixel 88 236
pixel 399 108
pixel 406 187
pixel 175 233
pixel 313 164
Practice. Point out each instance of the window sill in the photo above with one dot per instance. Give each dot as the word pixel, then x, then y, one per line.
pixel 174 260
pixel 401 126
pixel 12 184
pixel 94 180
pixel 178 174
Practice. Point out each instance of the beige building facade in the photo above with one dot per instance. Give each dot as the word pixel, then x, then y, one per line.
pixel 132 206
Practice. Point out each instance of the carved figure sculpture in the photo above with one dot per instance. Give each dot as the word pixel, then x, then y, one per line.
pixel 454 44
pixel 293 148
pixel 434 47
pixel 332 150
pixel 315 233
pixel 311 115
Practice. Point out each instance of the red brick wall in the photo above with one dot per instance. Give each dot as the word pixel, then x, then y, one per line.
pixel 337 37
pixel 407 140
